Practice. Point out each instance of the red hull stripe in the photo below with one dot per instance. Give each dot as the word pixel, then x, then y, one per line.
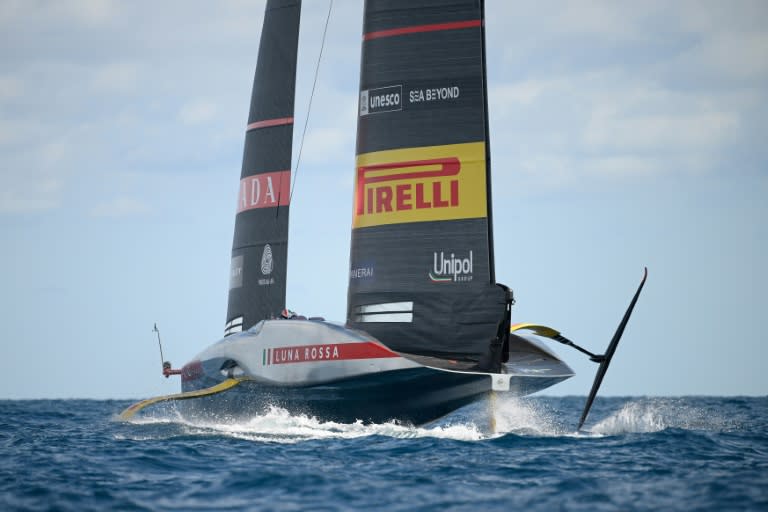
pixel 422 28
pixel 269 122
pixel 329 352
pixel 192 371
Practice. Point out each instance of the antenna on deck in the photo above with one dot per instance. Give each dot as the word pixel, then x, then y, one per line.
pixel 162 359
pixel 167 368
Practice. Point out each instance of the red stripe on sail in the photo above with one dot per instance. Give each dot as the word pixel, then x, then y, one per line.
pixel 265 190
pixel 330 352
pixel 422 28
pixel 266 123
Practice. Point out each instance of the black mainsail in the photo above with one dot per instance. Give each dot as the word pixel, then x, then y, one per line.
pixel 260 245
pixel 421 275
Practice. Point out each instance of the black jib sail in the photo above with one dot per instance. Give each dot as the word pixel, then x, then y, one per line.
pixel 422 275
pixel 260 246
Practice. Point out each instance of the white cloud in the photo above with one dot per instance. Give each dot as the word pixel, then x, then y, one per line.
pixel 625 166
pixel 613 19
pixel 330 136
pixel 660 122
pixel 63 13
pixel 33 176
pixel 730 56
pixel 11 10
pixel 91 12
pixel 13 132
pixel 636 92
pixel 506 96
pixel 588 128
pixel 120 77
pixel 324 145
pixel 548 170
pixel 598 91
pixel 121 207
pixel 15 199
pixel 30 190
pixel 198 111
pixel 10 88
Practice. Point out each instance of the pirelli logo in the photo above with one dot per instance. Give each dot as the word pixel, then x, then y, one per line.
pixel 420 185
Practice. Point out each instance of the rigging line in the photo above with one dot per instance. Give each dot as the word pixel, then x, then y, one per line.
pixel 311 95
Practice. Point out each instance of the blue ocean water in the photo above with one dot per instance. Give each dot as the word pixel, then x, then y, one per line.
pixel 689 453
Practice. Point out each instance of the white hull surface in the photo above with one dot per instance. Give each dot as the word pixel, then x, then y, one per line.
pixel 338 374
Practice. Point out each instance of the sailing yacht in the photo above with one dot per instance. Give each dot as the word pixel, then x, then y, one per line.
pixel 428 328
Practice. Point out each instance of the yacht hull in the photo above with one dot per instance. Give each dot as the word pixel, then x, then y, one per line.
pixel 414 396
pixel 338 374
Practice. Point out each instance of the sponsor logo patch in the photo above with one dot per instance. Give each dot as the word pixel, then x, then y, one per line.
pixel 449 268
pixel 362 271
pixel 420 184
pixel 265 190
pixel 266 260
pixel 383 99
pixel 236 272
pixel 267 264
pixel 326 352
pixel 434 94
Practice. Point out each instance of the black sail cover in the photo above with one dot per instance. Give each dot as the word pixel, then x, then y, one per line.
pixel 260 246
pixel 421 266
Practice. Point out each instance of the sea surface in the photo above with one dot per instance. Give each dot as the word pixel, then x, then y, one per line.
pixel 688 453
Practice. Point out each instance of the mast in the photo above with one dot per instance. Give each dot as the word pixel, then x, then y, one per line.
pixel 421 261
pixel 488 192
pixel 260 242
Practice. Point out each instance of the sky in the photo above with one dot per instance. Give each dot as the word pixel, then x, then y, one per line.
pixel 623 134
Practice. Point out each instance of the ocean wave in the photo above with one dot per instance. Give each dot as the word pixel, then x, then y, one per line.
pixel 649 415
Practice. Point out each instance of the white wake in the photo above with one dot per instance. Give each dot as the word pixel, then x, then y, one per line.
pixel 516 416
pixel 473 423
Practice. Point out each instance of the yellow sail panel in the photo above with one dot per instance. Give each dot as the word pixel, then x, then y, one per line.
pixel 422 184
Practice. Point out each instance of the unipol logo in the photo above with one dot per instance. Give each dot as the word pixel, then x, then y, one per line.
pixel 449 268
pixel 265 190
pixel 266 260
